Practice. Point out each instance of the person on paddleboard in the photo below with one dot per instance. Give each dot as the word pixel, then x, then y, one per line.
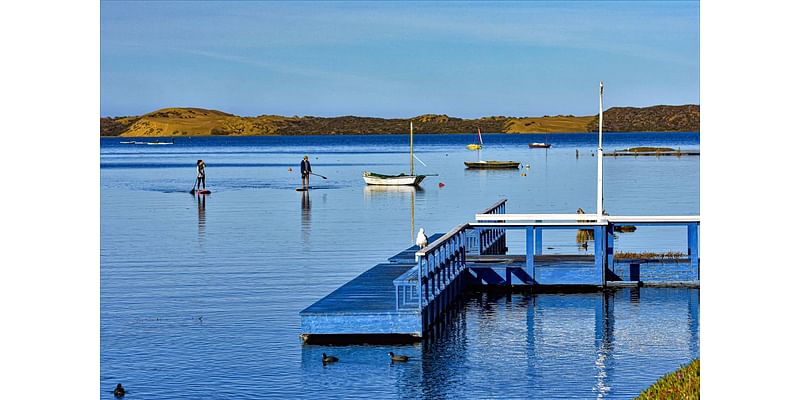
pixel 305 171
pixel 201 174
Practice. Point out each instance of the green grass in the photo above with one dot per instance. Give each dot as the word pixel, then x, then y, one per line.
pixel 681 384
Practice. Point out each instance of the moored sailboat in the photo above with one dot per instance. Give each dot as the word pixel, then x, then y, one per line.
pixel 371 178
pixel 480 142
pixel 539 145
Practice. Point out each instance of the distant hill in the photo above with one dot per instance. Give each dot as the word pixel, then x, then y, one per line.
pixel 201 122
pixel 650 119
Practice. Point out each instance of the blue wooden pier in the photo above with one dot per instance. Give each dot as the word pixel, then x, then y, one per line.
pixel 402 298
pixel 410 293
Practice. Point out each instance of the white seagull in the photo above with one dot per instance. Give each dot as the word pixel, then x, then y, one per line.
pixel 422 240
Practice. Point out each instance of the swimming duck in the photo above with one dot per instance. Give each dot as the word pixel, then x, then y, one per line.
pixel 328 359
pixel 398 357
pixel 119 391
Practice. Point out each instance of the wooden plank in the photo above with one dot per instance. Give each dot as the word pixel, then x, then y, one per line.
pixel 371 292
pixel 585 217
pixel 523 225
pixel 653 218
pixel 535 217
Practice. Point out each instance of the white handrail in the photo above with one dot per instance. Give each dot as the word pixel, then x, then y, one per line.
pixel 586 217
pixel 535 217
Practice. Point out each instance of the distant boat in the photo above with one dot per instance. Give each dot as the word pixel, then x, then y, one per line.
pixel 537 145
pixel 157 142
pixel 371 178
pixel 476 146
pixel 492 164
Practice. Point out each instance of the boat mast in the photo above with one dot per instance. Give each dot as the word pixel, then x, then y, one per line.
pixel 480 139
pixel 600 159
pixel 411 124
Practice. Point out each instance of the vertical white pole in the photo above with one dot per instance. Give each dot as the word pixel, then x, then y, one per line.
pixel 600 160
pixel 412 147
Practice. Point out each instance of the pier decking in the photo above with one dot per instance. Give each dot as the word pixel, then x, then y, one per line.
pixel 408 294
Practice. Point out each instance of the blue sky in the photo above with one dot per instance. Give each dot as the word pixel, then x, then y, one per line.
pixel 397 59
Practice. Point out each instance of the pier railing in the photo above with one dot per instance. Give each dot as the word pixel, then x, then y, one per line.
pixel 406 288
pixel 493 241
pixel 439 264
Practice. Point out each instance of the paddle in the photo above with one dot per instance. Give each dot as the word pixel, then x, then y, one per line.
pixel 318 175
pixel 195 184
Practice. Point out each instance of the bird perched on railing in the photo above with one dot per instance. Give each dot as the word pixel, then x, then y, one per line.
pixel 422 240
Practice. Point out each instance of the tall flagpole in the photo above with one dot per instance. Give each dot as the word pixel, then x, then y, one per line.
pixel 411 124
pixel 600 160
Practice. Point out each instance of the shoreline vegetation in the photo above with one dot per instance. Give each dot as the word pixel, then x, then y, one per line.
pixel 202 122
pixel 681 384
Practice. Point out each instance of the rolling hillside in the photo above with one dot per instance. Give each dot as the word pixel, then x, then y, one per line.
pixel 201 122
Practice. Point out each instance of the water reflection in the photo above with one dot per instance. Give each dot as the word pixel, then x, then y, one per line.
pixel 582 345
pixel 604 340
pixel 201 218
pixel 384 192
pixel 305 217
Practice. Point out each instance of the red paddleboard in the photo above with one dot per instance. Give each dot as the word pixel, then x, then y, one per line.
pixel 202 191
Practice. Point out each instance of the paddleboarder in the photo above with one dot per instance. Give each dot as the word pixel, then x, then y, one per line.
pixel 201 174
pixel 305 171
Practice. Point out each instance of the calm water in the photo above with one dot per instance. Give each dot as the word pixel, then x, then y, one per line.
pixel 200 297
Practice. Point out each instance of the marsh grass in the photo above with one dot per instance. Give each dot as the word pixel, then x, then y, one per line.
pixel 681 384
pixel 669 255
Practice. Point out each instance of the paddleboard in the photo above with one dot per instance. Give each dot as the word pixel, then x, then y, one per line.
pixel 303 189
pixel 202 191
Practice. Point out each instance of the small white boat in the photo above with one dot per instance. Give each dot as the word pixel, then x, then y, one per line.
pixel 371 178
pixel 540 145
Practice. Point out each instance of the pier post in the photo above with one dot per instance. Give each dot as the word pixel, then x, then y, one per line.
pixel 538 241
pixel 529 252
pixel 609 250
pixel 599 254
pixel 693 250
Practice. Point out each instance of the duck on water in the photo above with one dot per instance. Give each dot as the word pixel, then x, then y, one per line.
pixel 328 359
pixel 397 357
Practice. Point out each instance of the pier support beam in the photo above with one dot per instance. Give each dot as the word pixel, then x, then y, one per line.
pixel 538 241
pixel 694 248
pixel 529 252
pixel 600 254
pixel 609 250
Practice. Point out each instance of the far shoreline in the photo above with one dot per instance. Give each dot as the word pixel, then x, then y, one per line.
pixel 391 134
